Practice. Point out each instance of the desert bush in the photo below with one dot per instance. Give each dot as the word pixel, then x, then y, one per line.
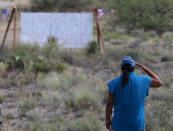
pixel 34 114
pixel 72 56
pixel 51 81
pixel 41 65
pixel 51 48
pixel 69 101
pixel 69 80
pixel 36 125
pixel 51 100
pixel 43 59
pixel 24 51
pixel 2 67
pixel 59 66
pixel 49 5
pixel 93 48
pixel 14 62
pixel 10 116
pixel 1 99
pixel 63 81
pixel 27 104
pixel 157 15
pixel 83 98
pixel 168 36
pixel 45 65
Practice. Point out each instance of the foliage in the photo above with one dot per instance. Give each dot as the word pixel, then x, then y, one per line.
pixel 14 62
pixel 49 5
pixel 63 81
pixel 41 65
pixel 168 36
pixel 28 104
pixel 150 14
pixel 93 48
pixel 9 116
pixel 1 98
pixel 51 100
pixel 81 99
pixel 51 48
pixel 42 59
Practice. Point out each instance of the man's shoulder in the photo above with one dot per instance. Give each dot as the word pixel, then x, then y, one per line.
pixel 116 79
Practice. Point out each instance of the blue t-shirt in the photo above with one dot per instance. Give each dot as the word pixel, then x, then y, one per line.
pixel 129 114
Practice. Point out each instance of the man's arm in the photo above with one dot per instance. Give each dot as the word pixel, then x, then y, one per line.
pixel 109 106
pixel 155 82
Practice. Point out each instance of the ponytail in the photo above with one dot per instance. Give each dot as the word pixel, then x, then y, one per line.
pixel 125 76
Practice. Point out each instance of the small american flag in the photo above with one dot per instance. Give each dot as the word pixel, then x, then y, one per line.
pixel 101 12
pixel 5 13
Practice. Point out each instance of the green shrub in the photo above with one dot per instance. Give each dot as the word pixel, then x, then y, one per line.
pixel 59 66
pixel 1 99
pixel 49 5
pixel 9 116
pixel 93 48
pixel 150 14
pixel 69 101
pixel 63 81
pixel 41 65
pixel 51 100
pixel 85 99
pixel 27 105
pixel 14 62
pixel 82 99
pixel 67 55
pixel 51 48
pixel 168 36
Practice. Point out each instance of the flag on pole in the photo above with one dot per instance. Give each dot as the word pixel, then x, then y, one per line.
pixel 101 12
pixel 5 13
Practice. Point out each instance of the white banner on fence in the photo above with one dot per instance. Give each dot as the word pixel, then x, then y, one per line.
pixel 72 30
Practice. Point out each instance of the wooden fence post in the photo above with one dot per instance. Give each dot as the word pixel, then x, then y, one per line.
pixel 97 25
pixel 99 33
pixel 14 33
pixel 7 29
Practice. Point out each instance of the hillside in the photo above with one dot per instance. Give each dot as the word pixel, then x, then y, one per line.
pixel 72 95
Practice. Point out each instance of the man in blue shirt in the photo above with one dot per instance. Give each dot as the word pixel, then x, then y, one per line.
pixel 127 94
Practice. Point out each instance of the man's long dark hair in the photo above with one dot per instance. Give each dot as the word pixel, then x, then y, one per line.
pixel 126 69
